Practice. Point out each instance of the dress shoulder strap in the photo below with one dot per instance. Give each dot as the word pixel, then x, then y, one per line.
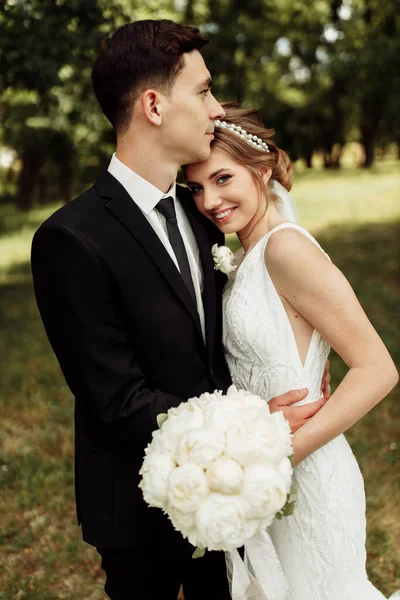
pixel 288 225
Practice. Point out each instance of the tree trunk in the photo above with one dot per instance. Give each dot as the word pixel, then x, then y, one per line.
pixel 327 159
pixel 32 162
pixel 368 144
pixel 66 183
pixel 371 114
pixel 214 10
pixel 336 156
pixel 189 12
pixel 42 189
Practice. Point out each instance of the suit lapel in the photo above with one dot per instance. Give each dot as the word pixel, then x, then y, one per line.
pixel 123 208
pixel 209 292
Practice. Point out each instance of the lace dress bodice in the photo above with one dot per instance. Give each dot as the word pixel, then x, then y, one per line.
pixel 321 547
pixel 259 342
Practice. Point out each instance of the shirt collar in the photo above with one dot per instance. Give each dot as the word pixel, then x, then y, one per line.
pixel 144 193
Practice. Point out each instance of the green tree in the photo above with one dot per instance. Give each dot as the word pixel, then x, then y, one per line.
pixel 46 104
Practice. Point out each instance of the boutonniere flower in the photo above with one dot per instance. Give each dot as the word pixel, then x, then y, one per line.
pixel 223 259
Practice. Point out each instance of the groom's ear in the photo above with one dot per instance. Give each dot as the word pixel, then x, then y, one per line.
pixel 266 174
pixel 151 101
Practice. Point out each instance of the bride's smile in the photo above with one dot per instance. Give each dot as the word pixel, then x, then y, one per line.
pixel 232 196
pixel 225 191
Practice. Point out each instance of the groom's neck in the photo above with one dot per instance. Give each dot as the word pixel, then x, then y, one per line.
pixel 147 160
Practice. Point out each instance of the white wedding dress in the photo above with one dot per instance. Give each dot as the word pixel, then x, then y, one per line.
pixel 321 547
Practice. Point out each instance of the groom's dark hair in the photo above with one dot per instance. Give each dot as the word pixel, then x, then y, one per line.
pixel 140 55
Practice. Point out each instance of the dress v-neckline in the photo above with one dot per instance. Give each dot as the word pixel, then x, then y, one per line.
pixel 314 334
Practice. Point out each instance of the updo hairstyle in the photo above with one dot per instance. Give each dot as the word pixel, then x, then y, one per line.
pixel 249 156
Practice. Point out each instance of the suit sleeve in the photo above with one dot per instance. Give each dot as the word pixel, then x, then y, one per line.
pixel 76 302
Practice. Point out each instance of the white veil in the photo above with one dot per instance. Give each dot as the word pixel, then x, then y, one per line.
pixel 286 205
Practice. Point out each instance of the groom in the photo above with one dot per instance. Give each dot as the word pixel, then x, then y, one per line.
pixel 126 289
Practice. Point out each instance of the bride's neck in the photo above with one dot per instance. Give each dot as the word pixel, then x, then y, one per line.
pixel 258 227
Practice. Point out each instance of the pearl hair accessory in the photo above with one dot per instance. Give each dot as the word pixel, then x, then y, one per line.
pixel 248 137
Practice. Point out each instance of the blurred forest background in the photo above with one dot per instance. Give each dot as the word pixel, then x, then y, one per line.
pixel 326 76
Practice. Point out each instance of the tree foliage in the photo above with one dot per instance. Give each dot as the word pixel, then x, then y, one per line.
pixel 322 73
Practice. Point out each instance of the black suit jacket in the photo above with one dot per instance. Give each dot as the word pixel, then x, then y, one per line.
pixel 127 336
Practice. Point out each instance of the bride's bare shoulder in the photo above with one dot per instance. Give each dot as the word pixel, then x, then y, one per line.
pixel 292 247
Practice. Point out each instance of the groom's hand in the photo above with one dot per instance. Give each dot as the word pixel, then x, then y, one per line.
pixel 326 381
pixel 296 415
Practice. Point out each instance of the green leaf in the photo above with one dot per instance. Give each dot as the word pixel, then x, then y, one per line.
pixel 293 490
pixel 288 509
pixel 161 418
pixel 278 516
pixel 199 552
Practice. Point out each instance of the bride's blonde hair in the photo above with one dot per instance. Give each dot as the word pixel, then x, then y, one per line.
pixel 249 156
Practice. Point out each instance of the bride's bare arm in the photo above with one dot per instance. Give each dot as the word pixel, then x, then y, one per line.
pixel 320 293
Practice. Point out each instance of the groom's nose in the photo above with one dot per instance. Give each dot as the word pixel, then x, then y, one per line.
pixel 216 110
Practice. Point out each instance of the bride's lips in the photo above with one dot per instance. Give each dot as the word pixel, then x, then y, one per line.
pixel 222 216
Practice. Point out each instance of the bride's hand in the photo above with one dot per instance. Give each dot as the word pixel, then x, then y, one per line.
pixel 296 415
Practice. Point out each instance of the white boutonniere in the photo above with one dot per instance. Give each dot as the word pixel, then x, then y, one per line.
pixel 223 259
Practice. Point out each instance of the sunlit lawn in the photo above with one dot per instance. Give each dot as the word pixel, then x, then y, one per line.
pixel 356 217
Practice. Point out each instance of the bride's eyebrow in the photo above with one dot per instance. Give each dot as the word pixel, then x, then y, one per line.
pixel 224 169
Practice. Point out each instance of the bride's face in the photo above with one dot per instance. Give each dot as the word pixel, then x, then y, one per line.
pixel 225 192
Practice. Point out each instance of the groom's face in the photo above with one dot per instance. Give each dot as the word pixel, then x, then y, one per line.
pixel 189 112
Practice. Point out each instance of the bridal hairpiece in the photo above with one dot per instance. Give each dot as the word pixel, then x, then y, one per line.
pixel 248 137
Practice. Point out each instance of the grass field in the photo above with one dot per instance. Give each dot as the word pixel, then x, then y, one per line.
pixel 356 217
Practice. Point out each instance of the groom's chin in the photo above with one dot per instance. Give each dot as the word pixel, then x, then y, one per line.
pixel 203 154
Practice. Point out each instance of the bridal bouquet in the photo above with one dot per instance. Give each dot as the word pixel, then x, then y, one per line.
pixel 219 467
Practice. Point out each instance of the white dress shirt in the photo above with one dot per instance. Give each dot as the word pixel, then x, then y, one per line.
pixel 146 196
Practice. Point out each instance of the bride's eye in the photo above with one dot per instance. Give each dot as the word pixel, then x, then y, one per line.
pixel 195 189
pixel 223 178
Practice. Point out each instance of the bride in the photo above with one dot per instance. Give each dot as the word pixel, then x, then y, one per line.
pixel 287 305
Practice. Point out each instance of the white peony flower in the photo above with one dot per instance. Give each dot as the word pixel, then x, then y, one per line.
pixel 225 476
pixel 187 488
pixel 282 435
pixel 221 523
pixel 247 443
pixel 186 416
pixel 220 414
pixel 207 400
pixel 252 401
pixel 253 415
pixel 285 469
pixel 155 472
pixel 200 446
pixel 161 444
pixel 223 259
pixel 233 394
pixel 223 413
pixel 185 522
pixel 264 492
pixel 244 399
pixel 258 441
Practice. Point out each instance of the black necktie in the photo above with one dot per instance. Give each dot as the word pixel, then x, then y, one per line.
pixel 167 209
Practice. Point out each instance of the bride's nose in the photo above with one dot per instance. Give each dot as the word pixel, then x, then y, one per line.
pixel 212 200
